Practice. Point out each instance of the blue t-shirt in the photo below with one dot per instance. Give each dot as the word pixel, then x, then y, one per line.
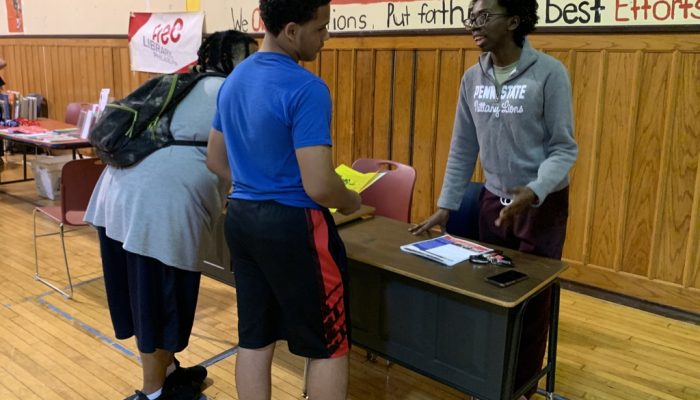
pixel 268 107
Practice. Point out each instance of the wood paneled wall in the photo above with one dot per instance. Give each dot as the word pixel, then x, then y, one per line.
pixel 634 224
pixel 68 70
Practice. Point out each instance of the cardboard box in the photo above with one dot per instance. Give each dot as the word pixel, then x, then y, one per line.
pixel 47 175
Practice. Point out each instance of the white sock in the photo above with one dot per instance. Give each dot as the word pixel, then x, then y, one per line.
pixel 155 395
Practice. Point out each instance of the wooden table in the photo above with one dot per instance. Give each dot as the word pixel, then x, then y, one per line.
pixel 363 212
pixel 444 322
pixel 74 144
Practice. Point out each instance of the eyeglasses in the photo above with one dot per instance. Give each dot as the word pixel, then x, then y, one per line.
pixel 481 19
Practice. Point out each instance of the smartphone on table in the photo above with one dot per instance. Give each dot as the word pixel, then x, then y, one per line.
pixel 507 278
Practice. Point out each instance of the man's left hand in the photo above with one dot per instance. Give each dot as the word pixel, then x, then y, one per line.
pixel 523 198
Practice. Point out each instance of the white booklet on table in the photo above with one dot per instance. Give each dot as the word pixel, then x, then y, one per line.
pixel 445 249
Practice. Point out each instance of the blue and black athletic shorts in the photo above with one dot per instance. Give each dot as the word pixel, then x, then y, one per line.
pixel 148 299
pixel 291 278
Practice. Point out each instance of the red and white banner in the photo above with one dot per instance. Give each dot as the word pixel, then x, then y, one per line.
pixel 164 42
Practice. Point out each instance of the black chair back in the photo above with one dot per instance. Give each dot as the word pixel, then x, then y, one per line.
pixel 465 221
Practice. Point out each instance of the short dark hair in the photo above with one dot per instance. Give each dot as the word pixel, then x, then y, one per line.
pixel 527 11
pixel 223 50
pixel 276 14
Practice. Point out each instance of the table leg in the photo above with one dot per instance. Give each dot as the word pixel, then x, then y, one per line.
pixel 553 335
pixel 514 345
pixel 24 164
pixel 550 369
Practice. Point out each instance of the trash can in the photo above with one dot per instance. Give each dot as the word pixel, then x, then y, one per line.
pixel 47 174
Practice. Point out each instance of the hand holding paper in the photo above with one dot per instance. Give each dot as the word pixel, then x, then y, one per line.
pixel 355 180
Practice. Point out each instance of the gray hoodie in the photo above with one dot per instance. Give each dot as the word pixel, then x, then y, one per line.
pixel 524 134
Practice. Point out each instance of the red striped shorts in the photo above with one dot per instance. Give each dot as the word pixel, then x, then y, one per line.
pixel 291 278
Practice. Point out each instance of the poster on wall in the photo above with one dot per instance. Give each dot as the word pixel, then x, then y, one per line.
pixel 192 5
pixel 357 16
pixel 15 22
pixel 164 42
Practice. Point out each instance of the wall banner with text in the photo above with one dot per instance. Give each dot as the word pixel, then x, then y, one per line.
pixel 164 42
pixel 356 16
pixel 15 21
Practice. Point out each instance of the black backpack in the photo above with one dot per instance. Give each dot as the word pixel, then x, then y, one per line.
pixel 132 128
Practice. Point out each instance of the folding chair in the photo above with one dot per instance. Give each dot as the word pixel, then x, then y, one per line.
pixel 465 221
pixel 78 179
pixel 391 196
pixel 72 114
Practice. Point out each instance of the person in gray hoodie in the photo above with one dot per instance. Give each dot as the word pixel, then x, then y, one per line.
pixel 515 113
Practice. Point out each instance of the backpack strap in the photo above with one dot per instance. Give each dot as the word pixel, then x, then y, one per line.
pixel 175 100
pixel 188 143
pixel 167 102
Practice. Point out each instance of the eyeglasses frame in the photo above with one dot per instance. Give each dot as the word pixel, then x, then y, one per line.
pixel 470 22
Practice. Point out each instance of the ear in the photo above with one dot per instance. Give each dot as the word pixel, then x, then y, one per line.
pixel 290 31
pixel 513 22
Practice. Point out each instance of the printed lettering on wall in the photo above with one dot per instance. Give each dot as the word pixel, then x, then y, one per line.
pixel 411 15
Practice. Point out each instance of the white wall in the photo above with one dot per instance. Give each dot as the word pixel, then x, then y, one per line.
pixel 111 17
pixel 83 17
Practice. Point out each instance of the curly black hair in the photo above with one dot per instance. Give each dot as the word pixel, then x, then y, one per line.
pixel 525 9
pixel 276 14
pixel 223 50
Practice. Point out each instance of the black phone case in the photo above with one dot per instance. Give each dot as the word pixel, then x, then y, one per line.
pixel 490 280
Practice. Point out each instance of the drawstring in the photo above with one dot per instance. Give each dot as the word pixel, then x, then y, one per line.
pixel 506 202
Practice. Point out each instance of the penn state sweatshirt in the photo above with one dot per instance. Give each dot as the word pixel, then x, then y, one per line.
pixel 523 132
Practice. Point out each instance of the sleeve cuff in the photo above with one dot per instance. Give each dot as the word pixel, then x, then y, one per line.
pixel 448 206
pixel 541 194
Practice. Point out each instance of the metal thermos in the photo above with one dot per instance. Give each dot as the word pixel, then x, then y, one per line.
pixel 31 108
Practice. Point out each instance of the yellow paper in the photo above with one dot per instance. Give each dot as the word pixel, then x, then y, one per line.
pixel 356 180
pixel 192 5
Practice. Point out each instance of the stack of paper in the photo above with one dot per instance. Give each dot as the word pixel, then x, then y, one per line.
pixel 445 249
pixel 30 129
pixel 356 180
pixel 59 138
pixel 47 136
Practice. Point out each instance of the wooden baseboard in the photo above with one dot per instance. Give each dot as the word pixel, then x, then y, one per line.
pixel 658 292
pixel 633 302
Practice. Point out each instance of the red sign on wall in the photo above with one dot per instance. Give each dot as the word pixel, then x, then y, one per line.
pixel 15 22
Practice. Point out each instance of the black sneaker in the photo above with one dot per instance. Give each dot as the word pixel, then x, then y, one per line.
pixel 184 381
pixel 138 396
pixel 182 393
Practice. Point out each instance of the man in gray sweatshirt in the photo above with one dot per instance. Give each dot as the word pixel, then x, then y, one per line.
pixel 514 112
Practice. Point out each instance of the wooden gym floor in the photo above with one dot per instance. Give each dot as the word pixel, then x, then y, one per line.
pixel 53 348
